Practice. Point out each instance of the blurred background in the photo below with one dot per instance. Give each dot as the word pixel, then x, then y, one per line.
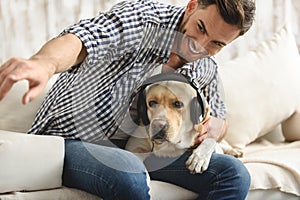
pixel 27 24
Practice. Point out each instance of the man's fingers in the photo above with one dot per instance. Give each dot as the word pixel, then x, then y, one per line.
pixel 28 96
pixel 198 128
pixel 7 81
pixel 6 85
pixel 207 114
pixel 201 134
pixel 32 93
pixel 6 71
pixel 9 75
pixel 15 70
pixel 202 128
pixel 5 65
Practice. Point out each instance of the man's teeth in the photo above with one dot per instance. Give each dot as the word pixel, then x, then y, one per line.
pixel 192 47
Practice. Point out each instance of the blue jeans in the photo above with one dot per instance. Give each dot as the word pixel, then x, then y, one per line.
pixel 113 173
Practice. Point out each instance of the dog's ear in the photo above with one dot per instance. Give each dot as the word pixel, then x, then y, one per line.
pixel 142 108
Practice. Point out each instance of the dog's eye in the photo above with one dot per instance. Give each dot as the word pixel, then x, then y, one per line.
pixel 152 104
pixel 178 104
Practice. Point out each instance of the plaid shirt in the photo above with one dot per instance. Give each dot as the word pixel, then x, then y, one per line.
pixel 124 46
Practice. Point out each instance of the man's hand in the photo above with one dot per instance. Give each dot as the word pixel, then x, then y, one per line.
pixel 202 129
pixel 56 56
pixel 35 71
pixel 210 127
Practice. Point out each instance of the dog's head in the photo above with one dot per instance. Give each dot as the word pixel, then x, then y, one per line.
pixel 168 109
pixel 169 105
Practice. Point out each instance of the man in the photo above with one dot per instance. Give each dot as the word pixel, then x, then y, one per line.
pixel 101 61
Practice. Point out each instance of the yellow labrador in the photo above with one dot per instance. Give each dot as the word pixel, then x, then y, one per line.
pixel 171 129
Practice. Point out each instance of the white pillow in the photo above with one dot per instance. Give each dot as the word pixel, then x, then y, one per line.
pixel 291 127
pixel 261 88
pixel 14 115
pixel 30 162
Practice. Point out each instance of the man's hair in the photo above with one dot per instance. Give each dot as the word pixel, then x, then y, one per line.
pixel 239 13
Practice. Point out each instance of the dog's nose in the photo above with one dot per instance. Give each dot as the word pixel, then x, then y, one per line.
pixel 159 128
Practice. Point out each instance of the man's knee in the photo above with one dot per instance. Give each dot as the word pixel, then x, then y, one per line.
pixel 232 172
pixel 105 171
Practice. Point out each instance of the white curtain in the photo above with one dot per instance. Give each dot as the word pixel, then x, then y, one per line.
pixel 26 24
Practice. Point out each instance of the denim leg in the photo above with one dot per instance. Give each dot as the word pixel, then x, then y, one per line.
pixel 108 172
pixel 225 178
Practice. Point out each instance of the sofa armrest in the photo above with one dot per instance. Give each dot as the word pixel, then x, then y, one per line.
pixel 30 162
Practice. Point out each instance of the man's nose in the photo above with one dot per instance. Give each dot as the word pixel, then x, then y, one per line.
pixel 203 43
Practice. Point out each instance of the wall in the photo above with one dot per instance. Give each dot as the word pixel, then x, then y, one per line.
pixel 26 24
pixel 271 15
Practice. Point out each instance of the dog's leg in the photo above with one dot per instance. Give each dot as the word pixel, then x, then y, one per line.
pixel 139 143
pixel 199 160
pixel 141 147
pixel 228 149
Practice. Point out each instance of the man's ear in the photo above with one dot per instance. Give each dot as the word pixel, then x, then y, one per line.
pixel 191 6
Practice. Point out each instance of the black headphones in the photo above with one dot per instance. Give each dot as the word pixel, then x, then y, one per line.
pixel 198 104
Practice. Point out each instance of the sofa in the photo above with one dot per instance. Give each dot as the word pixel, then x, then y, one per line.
pixel 261 90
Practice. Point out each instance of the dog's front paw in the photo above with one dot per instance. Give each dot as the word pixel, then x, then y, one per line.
pixel 198 162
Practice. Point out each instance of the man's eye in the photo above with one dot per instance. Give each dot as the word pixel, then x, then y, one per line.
pixel 201 28
pixel 152 104
pixel 219 44
pixel 178 104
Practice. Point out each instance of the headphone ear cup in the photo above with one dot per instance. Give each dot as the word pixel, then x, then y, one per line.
pixel 196 111
pixel 142 108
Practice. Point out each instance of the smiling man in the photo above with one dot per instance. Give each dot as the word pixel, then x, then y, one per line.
pixel 102 60
pixel 204 31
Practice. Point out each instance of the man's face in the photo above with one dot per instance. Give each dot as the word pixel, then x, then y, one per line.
pixel 202 32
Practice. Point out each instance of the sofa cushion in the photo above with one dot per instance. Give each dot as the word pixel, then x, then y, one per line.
pixel 261 88
pixel 273 166
pixel 30 162
pixel 62 193
pixel 159 191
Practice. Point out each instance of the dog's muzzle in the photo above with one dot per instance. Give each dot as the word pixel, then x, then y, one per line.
pixel 159 129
